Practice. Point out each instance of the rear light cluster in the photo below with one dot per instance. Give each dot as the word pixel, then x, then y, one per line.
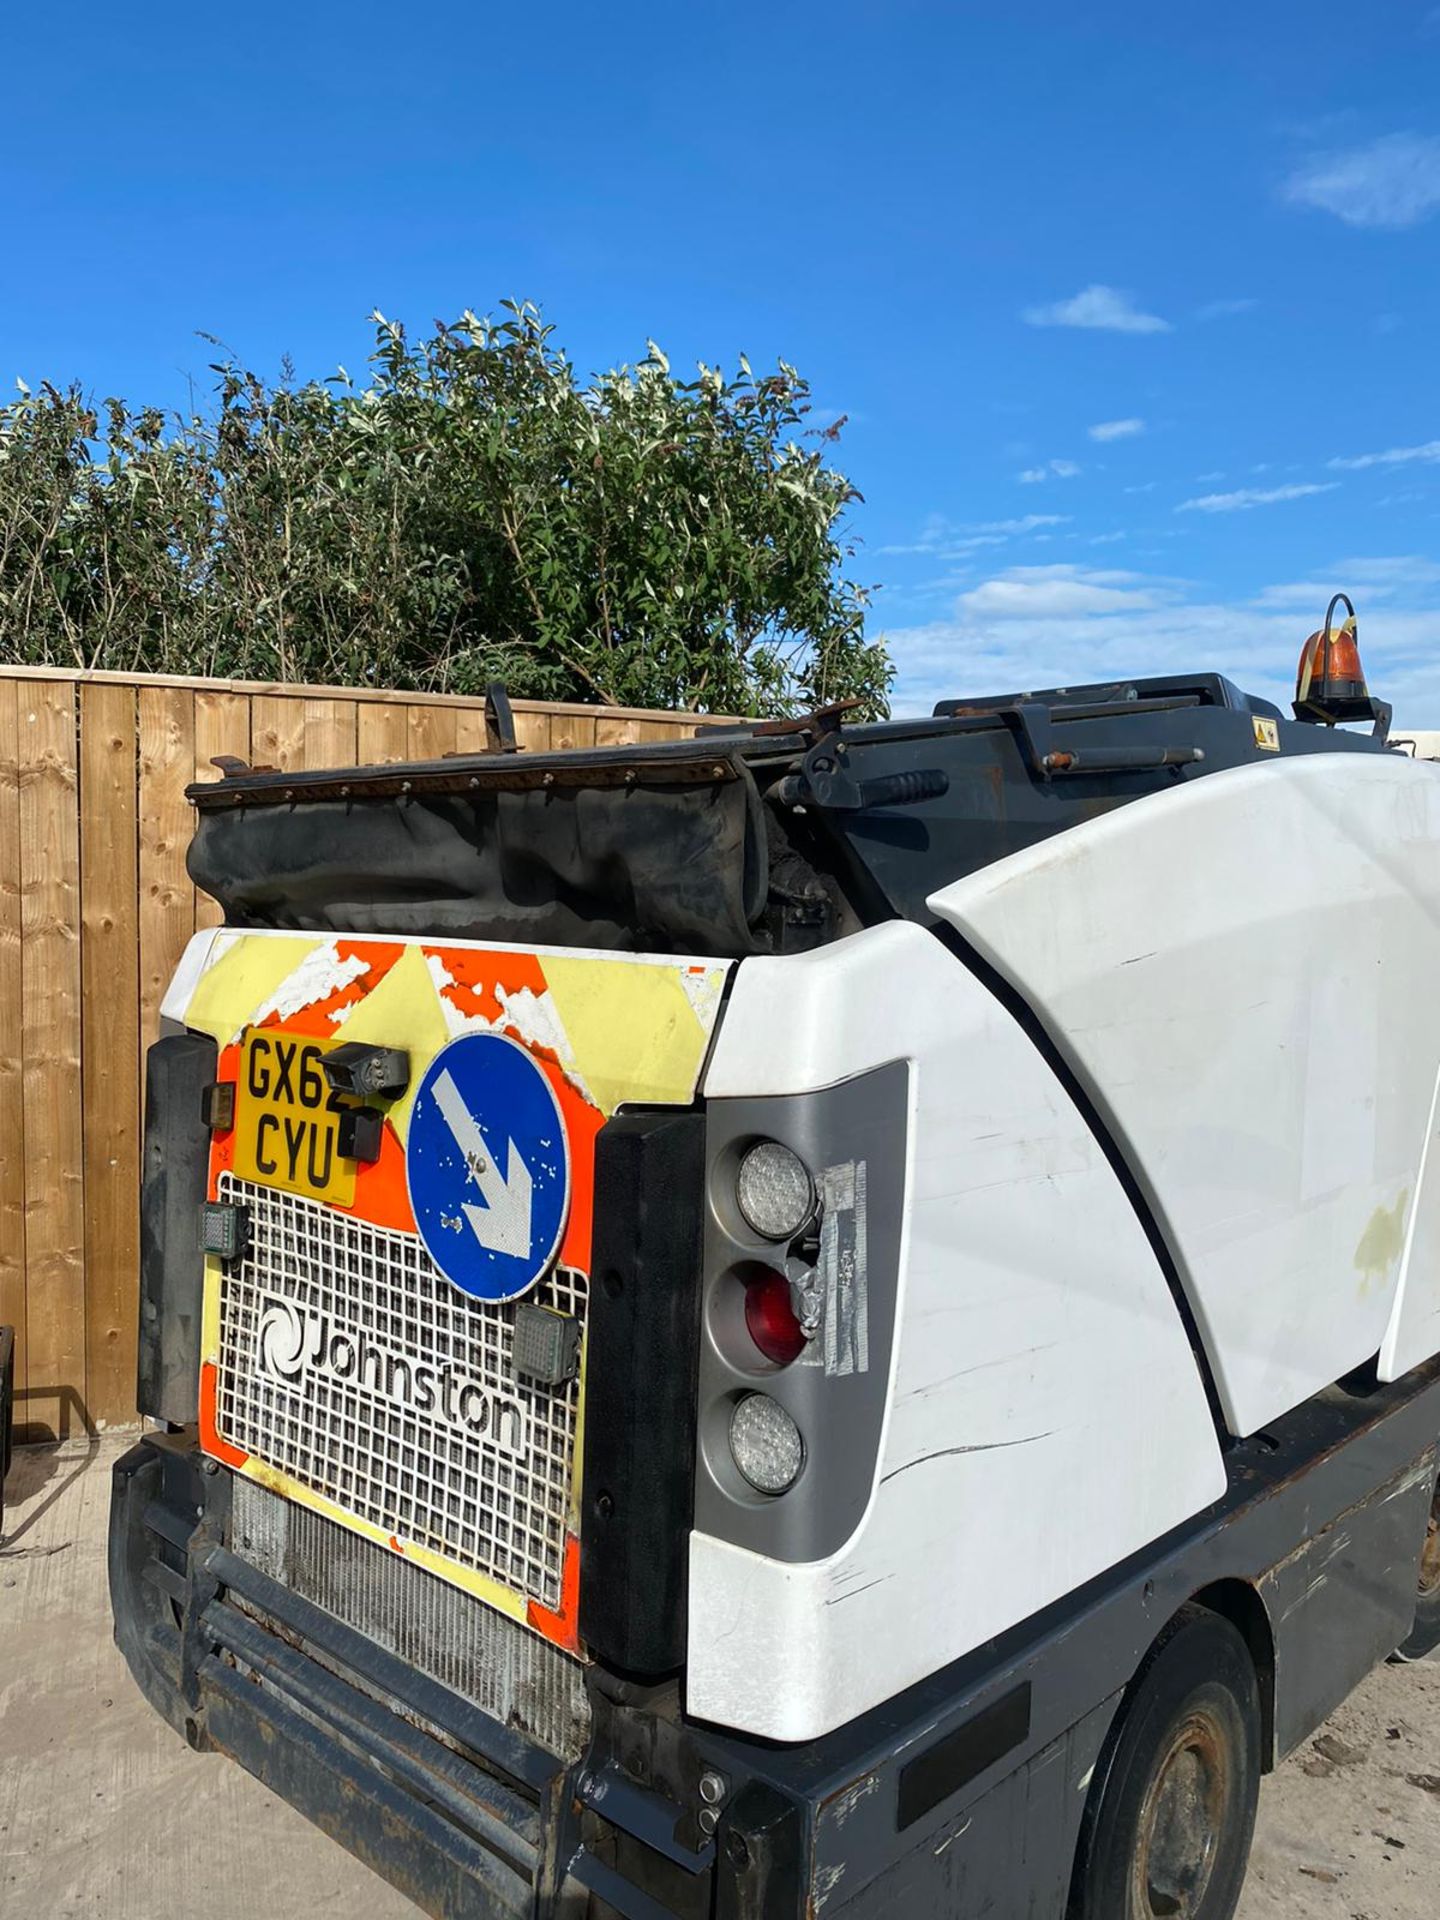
pixel 777 1198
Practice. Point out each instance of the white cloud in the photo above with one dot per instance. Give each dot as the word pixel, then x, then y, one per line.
pixel 947 541
pixel 1043 636
pixel 1057 593
pixel 1105 308
pixel 1057 469
pixel 1391 571
pixel 1308 599
pixel 1394 182
pixel 1224 309
pixel 1403 578
pixel 1429 452
pixel 958 547
pixel 1116 429
pixel 1299 595
pixel 1027 523
pixel 1246 497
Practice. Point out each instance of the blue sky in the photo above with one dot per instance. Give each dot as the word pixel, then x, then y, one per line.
pixel 1132 309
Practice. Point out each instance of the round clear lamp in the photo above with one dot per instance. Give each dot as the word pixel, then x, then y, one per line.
pixel 774 1190
pixel 766 1444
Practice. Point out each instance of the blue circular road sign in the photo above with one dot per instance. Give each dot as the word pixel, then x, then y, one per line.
pixel 488 1166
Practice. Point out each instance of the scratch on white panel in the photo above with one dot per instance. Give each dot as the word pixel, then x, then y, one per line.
pixel 850 1593
pixel 984 1446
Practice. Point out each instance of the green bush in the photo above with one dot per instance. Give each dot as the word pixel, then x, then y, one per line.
pixel 471 513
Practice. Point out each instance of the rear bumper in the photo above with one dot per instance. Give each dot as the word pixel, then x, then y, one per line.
pixel 440 1799
pixel 659 1816
pixel 962 1796
pixel 467 1816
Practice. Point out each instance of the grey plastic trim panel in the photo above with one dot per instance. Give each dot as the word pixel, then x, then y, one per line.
pixel 852 1136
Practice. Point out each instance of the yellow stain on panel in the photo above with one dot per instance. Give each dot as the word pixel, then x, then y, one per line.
pixel 632 1028
pixel 1381 1244
pixel 245 976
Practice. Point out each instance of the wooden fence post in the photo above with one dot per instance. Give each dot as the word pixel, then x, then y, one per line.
pixel 110 1043
pixel 55 1394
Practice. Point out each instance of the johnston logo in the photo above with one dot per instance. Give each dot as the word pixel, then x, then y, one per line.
pixel 300 1344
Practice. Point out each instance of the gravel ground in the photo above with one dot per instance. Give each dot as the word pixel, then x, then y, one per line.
pixel 104 1812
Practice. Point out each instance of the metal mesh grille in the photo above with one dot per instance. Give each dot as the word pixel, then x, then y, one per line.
pixel 349 1362
pixel 503 1668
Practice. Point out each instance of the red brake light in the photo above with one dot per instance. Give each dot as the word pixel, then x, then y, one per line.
pixel 771 1320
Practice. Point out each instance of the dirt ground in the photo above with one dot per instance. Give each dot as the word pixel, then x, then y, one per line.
pixel 104 1812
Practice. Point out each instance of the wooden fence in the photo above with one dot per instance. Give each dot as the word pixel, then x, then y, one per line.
pixel 95 908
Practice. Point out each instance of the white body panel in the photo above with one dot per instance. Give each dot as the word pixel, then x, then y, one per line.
pixel 1046 1416
pixel 1413 1335
pixel 1244 974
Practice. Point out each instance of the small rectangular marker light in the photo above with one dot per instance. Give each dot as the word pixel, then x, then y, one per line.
pixel 547 1344
pixel 217 1106
pixel 224 1230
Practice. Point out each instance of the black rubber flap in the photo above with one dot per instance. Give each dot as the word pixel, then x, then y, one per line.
pixel 640 1385
pixel 654 868
pixel 176 1164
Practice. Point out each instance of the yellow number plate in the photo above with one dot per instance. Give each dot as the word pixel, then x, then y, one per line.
pixel 287 1120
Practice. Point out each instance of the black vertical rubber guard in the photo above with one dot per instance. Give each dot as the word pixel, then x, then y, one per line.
pixel 176 1168
pixel 640 1389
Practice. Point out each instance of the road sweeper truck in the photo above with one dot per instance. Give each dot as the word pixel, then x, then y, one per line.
pixel 827 1319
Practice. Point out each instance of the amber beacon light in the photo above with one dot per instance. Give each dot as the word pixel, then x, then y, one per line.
pixel 1330 681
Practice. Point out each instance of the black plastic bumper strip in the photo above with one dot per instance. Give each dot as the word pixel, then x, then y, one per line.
pixel 329 1783
pixel 499 1746
pixel 508 1825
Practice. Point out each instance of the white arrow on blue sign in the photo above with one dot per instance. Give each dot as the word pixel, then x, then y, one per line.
pixel 488 1166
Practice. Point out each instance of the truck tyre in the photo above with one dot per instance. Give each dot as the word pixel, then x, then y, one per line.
pixel 1171 1812
pixel 1424 1636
